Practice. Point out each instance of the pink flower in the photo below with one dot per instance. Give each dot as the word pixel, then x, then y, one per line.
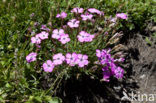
pixel 31 57
pixel 106 74
pixel 85 37
pixel 36 39
pixel 58 59
pixel 82 36
pixel 64 38
pixel 48 66
pixel 86 17
pixel 89 37
pixel 43 35
pixel 122 15
pixel 93 10
pixel 82 60
pixel 36 24
pixel 44 27
pixel 119 72
pixel 62 15
pixel 98 53
pixel 77 10
pixel 57 33
pixel 73 23
pixel 71 59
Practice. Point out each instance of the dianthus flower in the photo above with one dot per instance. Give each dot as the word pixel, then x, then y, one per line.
pixel 122 15
pixel 85 37
pixel 104 57
pixel 93 10
pixel 61 15
pixel 36 39
pixel 71 59
pixel 98 53
pixel 89 37
pixel 106 74
pixel 77 10
pixel 48 66
pixel 44 27
pixel 110 67
pixel 64 38
pixel 119 72
pixel 57 33
pixel 82 60
pixel 73 23
pixel 58 59
pixel 86 16
pixel 82 36
pixel 31 57
pixel 43 35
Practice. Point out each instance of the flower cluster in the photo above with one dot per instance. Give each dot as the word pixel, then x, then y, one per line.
pixel 73 28
pixel 44 27
pixel 60 35
pixel 95 11
pixel 61 15
pixel 109 67
pixel 77 10
pixel 85 37
pixel 79 59
pixel 39 37
pixel 71 59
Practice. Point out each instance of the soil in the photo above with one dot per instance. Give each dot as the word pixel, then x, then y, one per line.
pixel 143 61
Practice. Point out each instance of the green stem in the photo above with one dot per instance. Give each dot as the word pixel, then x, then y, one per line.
pixel 60 76
pixel 57 86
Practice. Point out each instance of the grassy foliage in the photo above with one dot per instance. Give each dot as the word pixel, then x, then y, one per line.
pixel 19 82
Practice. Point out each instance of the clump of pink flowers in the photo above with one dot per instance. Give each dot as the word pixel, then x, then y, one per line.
pixel 58 59
pixel 61 15
pixel 85 37
pixel 39 37
pixel 110 68
pixel 74 45
pixel 95 11
pixel 77 10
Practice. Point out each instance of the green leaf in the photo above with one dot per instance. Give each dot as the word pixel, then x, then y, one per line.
pixel 55 100
pixel 148 41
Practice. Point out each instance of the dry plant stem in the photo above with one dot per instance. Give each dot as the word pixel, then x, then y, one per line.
pixel 108 39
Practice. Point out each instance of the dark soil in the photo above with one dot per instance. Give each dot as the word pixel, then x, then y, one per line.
pixel 143 60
